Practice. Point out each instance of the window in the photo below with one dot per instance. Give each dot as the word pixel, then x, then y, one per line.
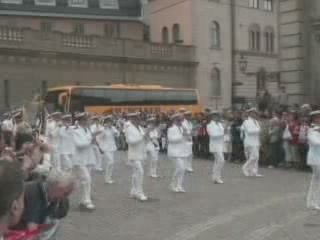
pixel 165 35
pixel 113 4
pixel 109 30
pixel 45 2
pixel 269 40
pixel 46 26
pixel 6 93
pixel 215 90
pixel 78 28
pixel 261 80
pixel 122 97
pixel 254 37
pixel 11 34
pixel 78 3
pixel 215 34
pixel 254 3
pixel 11 1
pixel 176 34
pixel 268 5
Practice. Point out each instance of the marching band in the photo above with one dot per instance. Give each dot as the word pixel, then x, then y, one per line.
pixel 91 144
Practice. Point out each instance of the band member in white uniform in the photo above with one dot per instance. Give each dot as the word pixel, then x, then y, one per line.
pixel 66 143
pixel 108 145
pixel 251 132
pixel 52 135
pixel 82 160
pixel 135 137
pixel 216 133
pixel 313 160
pixel 187 125
pixel 152 136
pixel 96 127
pixel 177 137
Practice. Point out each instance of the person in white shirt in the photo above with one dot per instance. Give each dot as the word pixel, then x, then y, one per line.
pixel 107 141
pixel 82 159
pixel 187 125
pixel 152 136
pixel 66 143
pixel 313 160
pixel 251 133
pixel 52 135
pixel 135 137
pixel 96 127
pixel 177 137
pixel 216 134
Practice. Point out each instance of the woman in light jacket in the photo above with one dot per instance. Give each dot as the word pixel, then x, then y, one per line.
pixel 313 160
pixel 107 142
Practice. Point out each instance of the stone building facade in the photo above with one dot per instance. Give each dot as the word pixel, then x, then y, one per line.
pixel 224 33
pixel 300 54
pixel 46 43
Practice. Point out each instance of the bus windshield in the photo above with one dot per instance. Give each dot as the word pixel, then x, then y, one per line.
pixel 53 101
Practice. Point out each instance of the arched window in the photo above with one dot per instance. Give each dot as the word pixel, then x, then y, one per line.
pixel 215 34
pixel 269 39
pixel 261 80
pixel 165 35
pixel 215 90
pixel 176 33
pixel 254 37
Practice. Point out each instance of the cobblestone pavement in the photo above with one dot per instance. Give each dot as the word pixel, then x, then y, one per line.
pixel 270 208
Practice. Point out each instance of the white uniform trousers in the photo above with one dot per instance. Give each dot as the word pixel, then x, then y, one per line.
pixel 55 159
pixel 188 160
pixel 108 158
pixel 218 166
pixel 250 168
pixel 98 158
pixel 137 178
pixel 83 175
pixel 313 198
pixel 154 157
pixel 178 175
pixel 66 162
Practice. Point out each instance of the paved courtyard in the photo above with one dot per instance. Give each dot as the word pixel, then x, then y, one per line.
pixel 242 209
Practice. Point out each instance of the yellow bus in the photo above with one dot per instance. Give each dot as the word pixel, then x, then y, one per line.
pixel 122 98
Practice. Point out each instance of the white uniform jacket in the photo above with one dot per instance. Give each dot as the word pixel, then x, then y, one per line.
pixel 52 135
pixel 314 147
pixel 83 147
pixel 136 142
pixel 216 134
pixel 66 141
pixel 107 139
pixel 251 130
pixel 153 141
pixel 176 142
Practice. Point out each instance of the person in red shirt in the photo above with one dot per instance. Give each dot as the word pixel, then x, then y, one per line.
pixel 294 129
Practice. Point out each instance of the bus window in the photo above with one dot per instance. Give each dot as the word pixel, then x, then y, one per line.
pixel 52 101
